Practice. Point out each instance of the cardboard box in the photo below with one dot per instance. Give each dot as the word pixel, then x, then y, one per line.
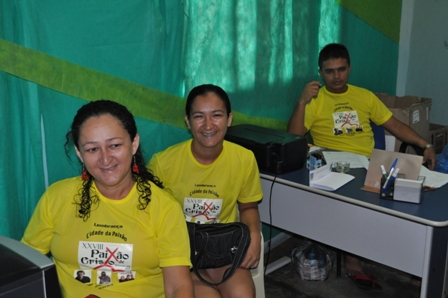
pixel 411 110
pixel 438 135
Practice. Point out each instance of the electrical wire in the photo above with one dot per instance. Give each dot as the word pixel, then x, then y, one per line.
pixel 270 212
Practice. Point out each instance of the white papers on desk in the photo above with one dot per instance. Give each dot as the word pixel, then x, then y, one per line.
pixel 432 178
pixel 324 178
pixel 356 160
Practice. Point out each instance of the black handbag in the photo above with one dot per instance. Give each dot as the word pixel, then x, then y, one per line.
pixel 217 245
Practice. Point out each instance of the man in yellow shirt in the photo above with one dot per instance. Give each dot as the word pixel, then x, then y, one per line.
pixel 338 116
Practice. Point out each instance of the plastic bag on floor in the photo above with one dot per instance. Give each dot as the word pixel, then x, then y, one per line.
pixel 312 261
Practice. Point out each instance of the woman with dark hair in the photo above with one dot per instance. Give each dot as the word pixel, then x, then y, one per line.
pixel 114 217
pixel 215 181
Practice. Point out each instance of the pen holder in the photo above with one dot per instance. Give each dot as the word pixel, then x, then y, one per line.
pixel 389 193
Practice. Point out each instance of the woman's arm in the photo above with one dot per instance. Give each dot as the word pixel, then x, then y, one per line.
pixel 177 282
pixel 249 215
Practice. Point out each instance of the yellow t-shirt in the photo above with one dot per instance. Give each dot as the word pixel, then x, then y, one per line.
pixel 209 193
pixel 342 121
pixel 129 245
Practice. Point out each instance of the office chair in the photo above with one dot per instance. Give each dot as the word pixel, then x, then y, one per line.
pixel 379 136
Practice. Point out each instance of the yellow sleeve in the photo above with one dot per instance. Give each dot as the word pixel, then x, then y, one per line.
pixel 251 190
pixel 39 231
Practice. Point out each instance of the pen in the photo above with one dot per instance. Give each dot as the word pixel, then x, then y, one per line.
pixel 392 179
pixel 383 171
pixel 394 164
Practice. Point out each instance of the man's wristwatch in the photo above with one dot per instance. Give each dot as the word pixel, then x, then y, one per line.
pixel 427 146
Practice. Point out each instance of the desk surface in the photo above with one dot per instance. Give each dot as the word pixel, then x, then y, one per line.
pixel 432 211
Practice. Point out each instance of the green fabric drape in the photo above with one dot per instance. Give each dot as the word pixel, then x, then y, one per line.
pixel 132 41
pixel 21 167
pixel 55 55
pixel 21 164
pixel 263 52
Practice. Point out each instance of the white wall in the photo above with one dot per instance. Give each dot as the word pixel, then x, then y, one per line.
pixel 424 45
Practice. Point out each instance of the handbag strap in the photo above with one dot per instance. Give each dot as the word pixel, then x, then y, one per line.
pixel 240 254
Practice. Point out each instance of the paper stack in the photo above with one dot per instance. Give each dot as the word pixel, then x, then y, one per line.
pixel 324 178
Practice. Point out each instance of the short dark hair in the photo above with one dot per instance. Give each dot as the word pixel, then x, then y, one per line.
pixel 333 51
pixel 203 90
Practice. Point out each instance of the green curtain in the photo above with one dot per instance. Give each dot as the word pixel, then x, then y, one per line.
pixel 262 52
pixel 21 163
pixel 147 54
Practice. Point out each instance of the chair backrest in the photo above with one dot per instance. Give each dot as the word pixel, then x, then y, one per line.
pixel 379 136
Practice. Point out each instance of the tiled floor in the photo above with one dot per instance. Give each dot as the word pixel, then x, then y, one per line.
pixel 286 282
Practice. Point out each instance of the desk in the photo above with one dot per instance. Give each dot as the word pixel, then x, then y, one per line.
pixel 409 237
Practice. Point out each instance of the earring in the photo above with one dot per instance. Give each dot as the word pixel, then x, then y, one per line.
pixel 84 174
pixel 135 167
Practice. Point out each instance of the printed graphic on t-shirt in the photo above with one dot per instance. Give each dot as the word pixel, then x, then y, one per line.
pixel 104 277
pixel 83 276
pixel 105 256
pixel 126 276
pixel 202 210
pixel 346 123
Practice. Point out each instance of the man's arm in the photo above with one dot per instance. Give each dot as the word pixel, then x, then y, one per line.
pixel 296 123
pixel 406 134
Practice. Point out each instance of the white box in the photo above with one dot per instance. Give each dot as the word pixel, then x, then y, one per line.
pixel 407 190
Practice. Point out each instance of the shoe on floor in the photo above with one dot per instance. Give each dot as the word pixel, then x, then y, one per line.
pixel 365 282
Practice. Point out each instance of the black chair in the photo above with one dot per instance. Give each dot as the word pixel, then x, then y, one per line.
pixel 379 136
pixel 404 148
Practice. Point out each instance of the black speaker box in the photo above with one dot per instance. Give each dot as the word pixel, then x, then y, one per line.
pixel 276 151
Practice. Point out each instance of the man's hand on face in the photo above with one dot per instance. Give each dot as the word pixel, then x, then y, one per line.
pixel 310 91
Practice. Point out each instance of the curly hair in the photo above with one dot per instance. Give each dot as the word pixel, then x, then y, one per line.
pixel 142 178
